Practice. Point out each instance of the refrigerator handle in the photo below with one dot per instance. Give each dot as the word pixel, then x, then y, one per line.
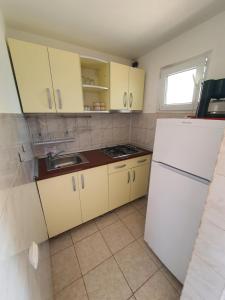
pixel 183 173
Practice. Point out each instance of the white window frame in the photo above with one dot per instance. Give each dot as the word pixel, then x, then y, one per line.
pixel 200 63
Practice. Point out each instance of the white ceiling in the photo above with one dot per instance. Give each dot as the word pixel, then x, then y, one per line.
pixel 127 28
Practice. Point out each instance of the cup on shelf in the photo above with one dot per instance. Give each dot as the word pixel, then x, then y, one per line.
pixel 87 107
pixel 96 106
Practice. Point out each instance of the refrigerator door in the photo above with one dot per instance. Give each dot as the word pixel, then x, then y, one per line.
pixel 175 206
pixel 189 145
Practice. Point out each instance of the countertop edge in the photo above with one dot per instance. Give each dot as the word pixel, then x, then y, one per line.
pixel 41 172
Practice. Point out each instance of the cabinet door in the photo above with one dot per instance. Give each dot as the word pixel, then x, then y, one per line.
pixel 119 188
pixel 93 184
pixel 66 77
pixel 140 179
pixel 118 86
pixel 61 203
pixel 136 88
pixel 31 67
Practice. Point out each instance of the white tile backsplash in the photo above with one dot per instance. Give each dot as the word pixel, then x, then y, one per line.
pixel 89 132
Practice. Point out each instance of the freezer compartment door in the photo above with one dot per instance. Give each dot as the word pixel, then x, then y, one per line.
pixel 175 206
pixel 189 145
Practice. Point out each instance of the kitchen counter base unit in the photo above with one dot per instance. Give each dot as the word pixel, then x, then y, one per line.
pixel 75 195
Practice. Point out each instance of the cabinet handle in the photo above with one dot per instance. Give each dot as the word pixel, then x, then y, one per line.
pixel 74 184
pixel 49 98
pixel 120 166
pixel 134 175
pixel 131 99
pixel 125 99
pixel 82 181
pixel 141 161
pixel 59 98
pixel 128 180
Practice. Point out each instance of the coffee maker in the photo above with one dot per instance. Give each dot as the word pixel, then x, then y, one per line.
pixel 212 101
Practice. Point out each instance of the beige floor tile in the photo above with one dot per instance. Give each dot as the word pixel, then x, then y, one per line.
pixel 172 279
pixel 132 298
pixel 91 252
pixel 75 291
pixel 140 203
pixel 125 210
pixel 152 255
pixel 117 236
pixel 157 288
pixel 143 210
pixel 106 282
pixel 135 264
pixel 135 223
pixel 106 220
pixel 60 242
pixel 83 231
pixel 65 268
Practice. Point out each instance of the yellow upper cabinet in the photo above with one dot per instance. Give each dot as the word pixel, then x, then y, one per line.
pixel 126 87
pixel 33 76
pixel 49 80
pixel 66 78
pixel 119 88
pixel 136 88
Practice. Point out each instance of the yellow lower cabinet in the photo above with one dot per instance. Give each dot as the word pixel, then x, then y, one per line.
pixel 139 179
pixel 93 185
pixel 61 202
pixel 119 188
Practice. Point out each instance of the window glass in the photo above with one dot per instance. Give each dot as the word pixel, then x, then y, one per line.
pixel 180 87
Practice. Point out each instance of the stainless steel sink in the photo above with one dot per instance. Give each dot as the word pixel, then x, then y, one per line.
pixel 64 161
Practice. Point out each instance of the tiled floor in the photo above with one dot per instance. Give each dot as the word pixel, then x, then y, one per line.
pixel 107 259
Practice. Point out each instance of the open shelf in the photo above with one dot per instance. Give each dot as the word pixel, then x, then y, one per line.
pixel 92 62
pixel 95 83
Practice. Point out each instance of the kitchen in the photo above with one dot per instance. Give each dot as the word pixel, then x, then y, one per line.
pixel 85 132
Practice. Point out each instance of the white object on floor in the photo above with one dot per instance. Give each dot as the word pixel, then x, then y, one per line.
pixel 184 157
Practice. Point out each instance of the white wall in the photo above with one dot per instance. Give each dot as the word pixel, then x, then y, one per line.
pixel 11 32
pixel 21 216
pixel 9 102
pixel 209 36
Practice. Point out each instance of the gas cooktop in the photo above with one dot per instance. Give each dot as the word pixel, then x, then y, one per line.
pixel 121 151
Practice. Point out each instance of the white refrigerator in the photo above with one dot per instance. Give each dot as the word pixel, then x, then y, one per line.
pixel 184 156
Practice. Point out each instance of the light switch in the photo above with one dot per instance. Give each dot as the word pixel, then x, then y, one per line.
pixel 34 255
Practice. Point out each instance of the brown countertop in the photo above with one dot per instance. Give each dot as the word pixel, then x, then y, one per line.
pixel 95 158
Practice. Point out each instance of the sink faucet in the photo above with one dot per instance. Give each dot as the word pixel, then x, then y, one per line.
pixel 52 155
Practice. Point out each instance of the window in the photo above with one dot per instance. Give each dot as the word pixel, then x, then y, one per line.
pixel 181 84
